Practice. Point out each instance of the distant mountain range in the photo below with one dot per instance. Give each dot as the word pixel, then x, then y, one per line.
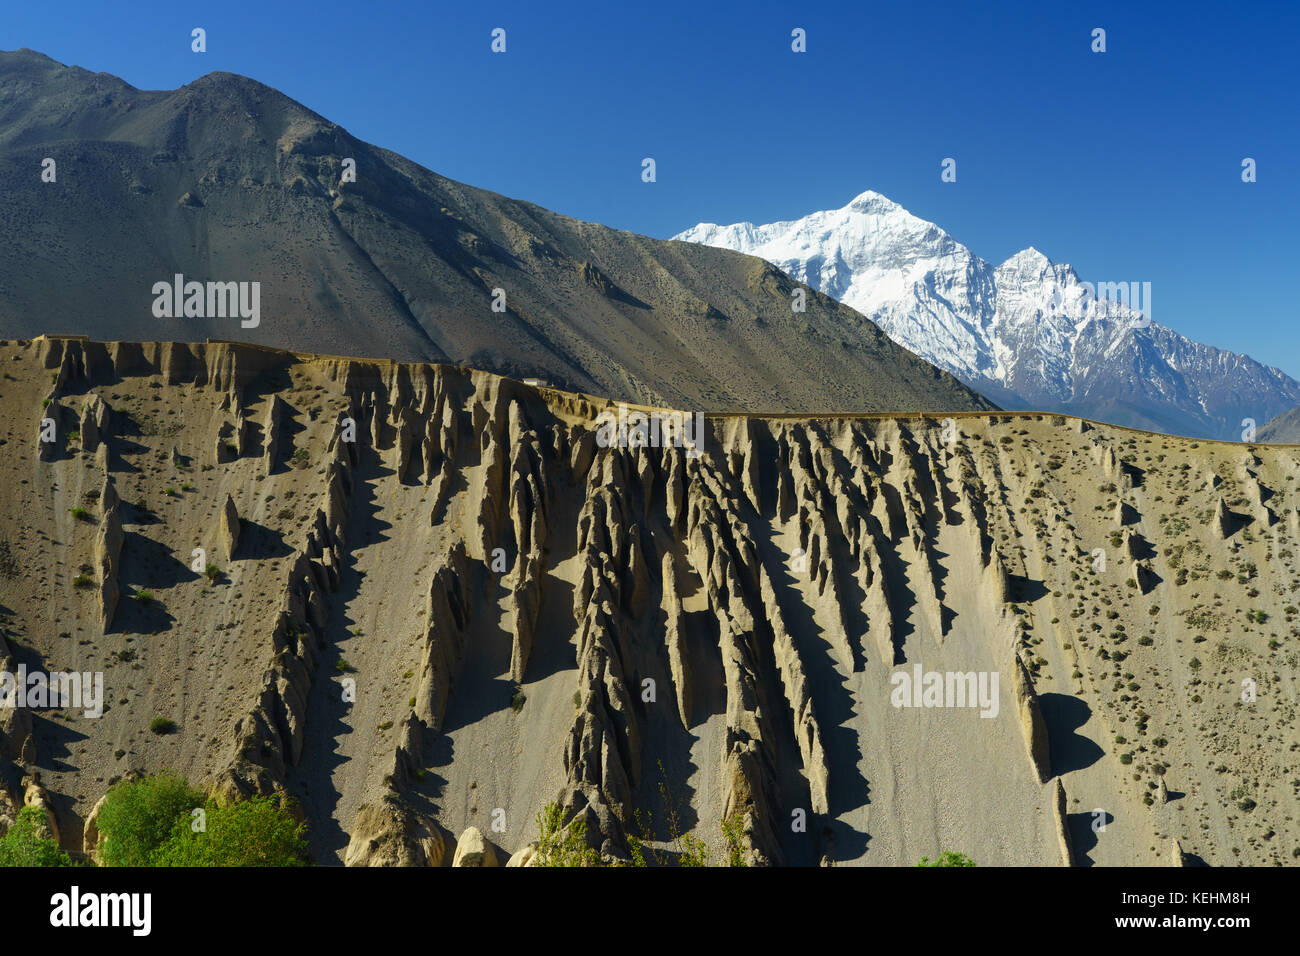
pixel 1027 333
pixel 228 181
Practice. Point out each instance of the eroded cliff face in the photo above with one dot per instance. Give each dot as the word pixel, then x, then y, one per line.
pixel 427 601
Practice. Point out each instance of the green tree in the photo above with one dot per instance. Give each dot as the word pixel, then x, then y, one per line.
pixel 30 843
pixel 139 816
pixel 259 831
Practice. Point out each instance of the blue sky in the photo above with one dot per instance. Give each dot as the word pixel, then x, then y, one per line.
pixel 1125 164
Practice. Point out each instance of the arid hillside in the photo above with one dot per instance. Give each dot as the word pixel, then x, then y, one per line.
pixel 1284 428
pixel 357 250
pixel 428 598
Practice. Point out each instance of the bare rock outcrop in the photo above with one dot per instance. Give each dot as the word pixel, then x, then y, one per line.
pixel 1032 724
pixel 1223 521
pixel 224 446
pixel 1176 855
pixel 390 833
pixel 473 849
pixel 273 433
pixel 9 809
pixel 94 423
pixel 270 736
pixel 90 835
pixel 229 527
pixel 35 795
pixel 1060 823
pixel 799 696
pixel 109 539
pixel 525 856
pixel 447 619
pixel 679 658
pixel 50 438
pixel 16 739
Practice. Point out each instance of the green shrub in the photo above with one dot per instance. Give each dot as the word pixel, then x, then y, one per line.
pixel 30 843
pixel 947 858
pixel 733 832
pixel 162 725
pixel 151 822
pixel 558 845
pixel 80 513
pixel 138 817
pixel 259 831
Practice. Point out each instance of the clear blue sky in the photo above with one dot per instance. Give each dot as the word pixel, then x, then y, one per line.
pixel 1125 164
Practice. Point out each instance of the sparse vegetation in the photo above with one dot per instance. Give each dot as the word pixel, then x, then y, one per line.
pixel 683 849
pixel 947 858
pixel 8 563
pixel 162 725
pixel 560 845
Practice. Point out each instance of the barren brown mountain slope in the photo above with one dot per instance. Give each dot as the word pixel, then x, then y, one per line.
pixel 227 180
pixel 1283 428
pixel 770 588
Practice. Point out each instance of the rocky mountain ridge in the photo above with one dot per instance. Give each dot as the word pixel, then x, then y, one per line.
pixel 1028 333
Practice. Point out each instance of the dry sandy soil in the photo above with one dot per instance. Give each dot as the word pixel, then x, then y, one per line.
pixel 498 589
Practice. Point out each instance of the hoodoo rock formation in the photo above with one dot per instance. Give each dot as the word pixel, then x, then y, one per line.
pixel 445 605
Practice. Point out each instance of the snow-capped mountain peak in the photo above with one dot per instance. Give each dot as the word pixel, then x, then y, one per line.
pixel 1029 333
